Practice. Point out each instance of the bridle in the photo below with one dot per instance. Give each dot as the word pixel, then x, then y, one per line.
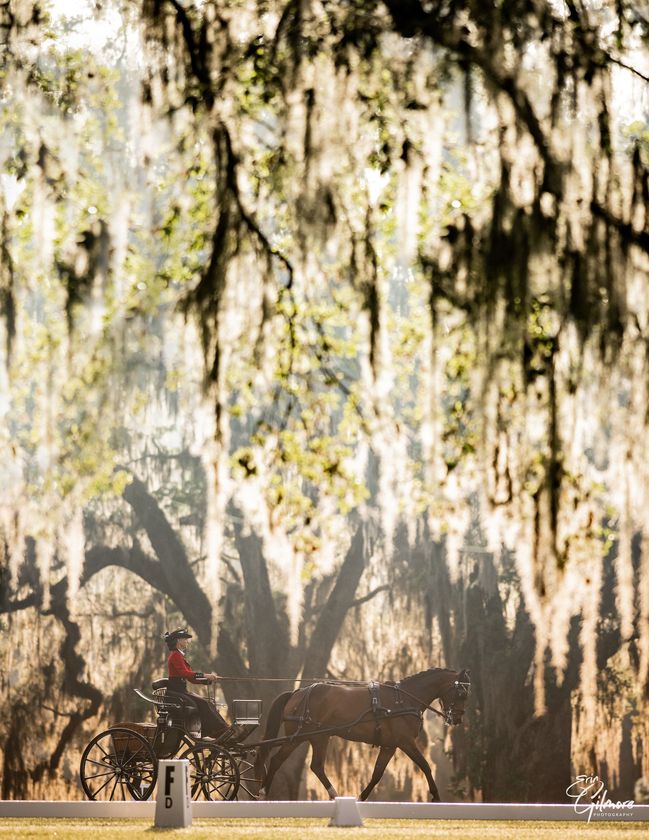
pixel 461 691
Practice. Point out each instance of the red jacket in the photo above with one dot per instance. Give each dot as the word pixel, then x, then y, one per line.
pixel 178 667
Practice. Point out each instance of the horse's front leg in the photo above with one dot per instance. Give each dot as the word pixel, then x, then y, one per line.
pixel 275 763
pixel 318 755
pixel 382 761
pixel 413 752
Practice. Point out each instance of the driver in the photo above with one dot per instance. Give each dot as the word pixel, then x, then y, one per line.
pixel 212 724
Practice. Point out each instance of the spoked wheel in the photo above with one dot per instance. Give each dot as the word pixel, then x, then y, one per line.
pixel 213 772
pixel 249 784
pixel 118 764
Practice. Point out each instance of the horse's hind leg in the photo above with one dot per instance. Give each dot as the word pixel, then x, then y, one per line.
pixel 319 754
pixel 382 761
pixel 275 763
pixel 413 752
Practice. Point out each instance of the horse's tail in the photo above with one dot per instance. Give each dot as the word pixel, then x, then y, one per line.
pixel 273 724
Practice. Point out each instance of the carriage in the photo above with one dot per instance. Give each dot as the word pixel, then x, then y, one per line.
pixel 122 761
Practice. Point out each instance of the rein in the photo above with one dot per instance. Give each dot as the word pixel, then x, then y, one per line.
pixel 465 686
pixel 327 680
pixel 335 681
pixel 425 707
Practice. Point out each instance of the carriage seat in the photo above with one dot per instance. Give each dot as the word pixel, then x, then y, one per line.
pixel 187 716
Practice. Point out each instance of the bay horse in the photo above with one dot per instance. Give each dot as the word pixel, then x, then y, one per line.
pixel 388 715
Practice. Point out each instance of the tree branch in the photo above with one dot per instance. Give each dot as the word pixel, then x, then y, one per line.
pixel 266 640
pixel 628 67
pixel 74 665
pixel 625 229
pixel 197 61
pixel 369 596
pixel 173 574
pixel 336 607
pixel 410 19
pixel 246 217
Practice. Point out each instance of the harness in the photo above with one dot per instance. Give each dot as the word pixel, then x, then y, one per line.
pixel 302 715
pixel 381 712
pixel 378 710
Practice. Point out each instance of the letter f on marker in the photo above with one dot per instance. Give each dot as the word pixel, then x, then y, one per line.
pixel 169 777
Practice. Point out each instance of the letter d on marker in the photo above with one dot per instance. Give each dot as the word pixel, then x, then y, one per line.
pixel 173 803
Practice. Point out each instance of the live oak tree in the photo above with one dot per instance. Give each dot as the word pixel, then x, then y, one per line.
pixel 412 240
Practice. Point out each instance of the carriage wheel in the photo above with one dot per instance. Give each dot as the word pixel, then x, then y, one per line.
pixel 249 784
pixel 118 764
pixel 213 772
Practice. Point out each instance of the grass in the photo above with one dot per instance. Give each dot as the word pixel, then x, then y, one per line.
pixel 278 829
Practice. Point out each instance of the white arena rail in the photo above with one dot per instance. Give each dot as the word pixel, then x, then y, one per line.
pixel 321 810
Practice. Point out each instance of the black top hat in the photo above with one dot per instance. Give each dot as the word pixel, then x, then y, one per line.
pixel 181 633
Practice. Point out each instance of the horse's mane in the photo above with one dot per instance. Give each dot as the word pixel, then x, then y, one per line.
pixel 414 679
pixel 428 671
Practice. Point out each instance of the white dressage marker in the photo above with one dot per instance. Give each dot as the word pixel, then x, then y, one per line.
pixel 173 807
pixel 346 812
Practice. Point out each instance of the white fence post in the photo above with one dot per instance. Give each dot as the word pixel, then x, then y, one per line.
pixel 173 807
pixel 346 812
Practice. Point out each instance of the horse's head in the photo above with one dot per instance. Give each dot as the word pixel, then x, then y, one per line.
pixel 455 696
